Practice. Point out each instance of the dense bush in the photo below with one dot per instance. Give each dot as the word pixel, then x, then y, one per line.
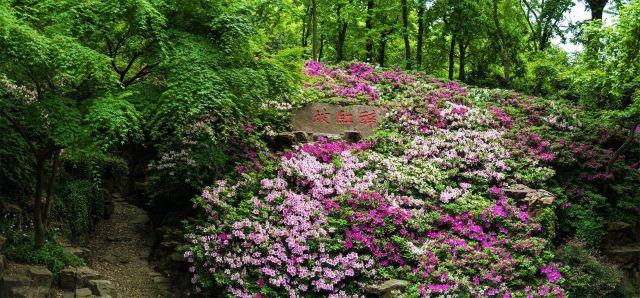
pixel 21 248
pixel 421 201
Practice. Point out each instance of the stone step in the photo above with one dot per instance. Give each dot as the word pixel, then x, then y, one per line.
pixel 625 255
pixel 103 288
pixel 41 276
pixel 30 292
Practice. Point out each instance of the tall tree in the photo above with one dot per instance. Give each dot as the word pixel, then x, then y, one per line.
pixel 314 25
pixel 53 77
pixel 543 18
pixel 503 42
pixel 421 20
pixel 342 32
pixel 369 29
pixel 452 55
pixel 405 34
pixel 462 54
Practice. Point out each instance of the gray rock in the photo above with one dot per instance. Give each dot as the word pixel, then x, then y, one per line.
pixel 300 137
pixel 68 295
pixel 613 226
pixel 140 219
pixel 161 284
pixel 15 281
pixel 283 140
pixel 41 276
pixel 388 288
pixel 2 264
pixel 535 198
pixel 67 279
pixel 109 208
pixel 80 252
pixel 328 137
pixel 84 275
pixel 30 292
pixel 84 293
pixel 102 288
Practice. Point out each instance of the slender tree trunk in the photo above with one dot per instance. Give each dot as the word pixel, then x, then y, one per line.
pixel 463 55
pixel 305 28
pixel 420 34
pixel 381 52
pixel 342 34
pixel 627 142
pixel 314 24
pixel 452 49
pixel 321 47
pixel 369 29
pixel 505 45
pixel 55 163
pixel 39 230
pixel 405 34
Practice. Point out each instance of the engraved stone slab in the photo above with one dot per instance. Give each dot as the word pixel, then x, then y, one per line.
pixel 325 118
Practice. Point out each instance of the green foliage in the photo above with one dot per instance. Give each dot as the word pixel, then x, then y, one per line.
pixel 79 200
pixel 21 248
pixel 589 275
pixel 546 73
pixel 114 122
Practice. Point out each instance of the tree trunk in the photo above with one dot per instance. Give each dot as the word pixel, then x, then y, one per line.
pixel 627 142
pixel 321 47
pixel 420 35
pixel 505 45
pixel 597 8
pixel 452 49
pixel 463 52
pixel 39 230
pixel 305 28
pixel 314 24
pixel 405 34
pixel 342 34
pixel 381 52
pixel 369 29
pixel 55 163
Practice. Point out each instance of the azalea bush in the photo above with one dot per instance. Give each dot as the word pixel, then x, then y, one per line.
pixel 422 200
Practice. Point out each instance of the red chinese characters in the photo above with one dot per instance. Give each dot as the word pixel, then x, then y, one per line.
pixel 321 116
pixel 344 118
pixel 368 118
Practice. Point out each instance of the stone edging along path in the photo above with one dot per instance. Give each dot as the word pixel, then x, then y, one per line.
pixel 118 255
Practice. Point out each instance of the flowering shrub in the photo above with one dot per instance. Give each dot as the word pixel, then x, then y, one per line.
pixel 422 200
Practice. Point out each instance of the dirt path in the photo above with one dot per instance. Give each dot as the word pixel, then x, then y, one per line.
pixel 120 252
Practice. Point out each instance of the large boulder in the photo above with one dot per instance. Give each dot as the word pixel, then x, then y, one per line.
pixel 387 289
pixel 2 264
pixel 536 199
pixel 10 282
pixel 84 293
pixel 300 137
pixel 84 275
pixel 67 278
pixel 102 288
pixel 30 292
pixel 41 276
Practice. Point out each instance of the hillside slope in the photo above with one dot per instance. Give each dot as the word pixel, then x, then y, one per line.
pixel 423 200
